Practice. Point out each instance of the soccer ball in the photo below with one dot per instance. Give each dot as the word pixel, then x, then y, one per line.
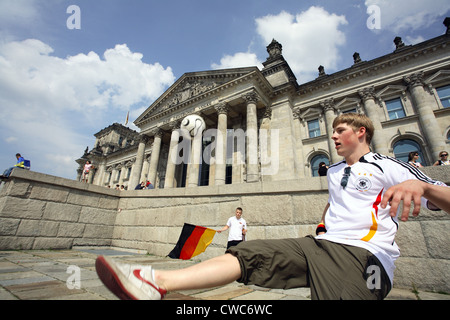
pixel 193 124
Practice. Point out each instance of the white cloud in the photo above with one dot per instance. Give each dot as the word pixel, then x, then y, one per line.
pixel 11 139
pixel 409 15
pixel 240 59
pixel 310 38
pixel 48 101
pixel 13 11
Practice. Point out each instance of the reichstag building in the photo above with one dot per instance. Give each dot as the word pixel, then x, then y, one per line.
pixel 272 128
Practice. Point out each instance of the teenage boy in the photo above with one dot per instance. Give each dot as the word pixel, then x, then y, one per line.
pixel 351 258
pixel 238 229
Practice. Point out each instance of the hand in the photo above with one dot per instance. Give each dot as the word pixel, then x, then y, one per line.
pixel 408 191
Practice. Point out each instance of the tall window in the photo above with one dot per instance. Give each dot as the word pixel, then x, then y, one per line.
pixel 444 95
pixel 395 109
pixel 403 147
pixel 314 128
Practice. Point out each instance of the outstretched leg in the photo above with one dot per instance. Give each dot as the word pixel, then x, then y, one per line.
pixel 207 274
pixel 139 282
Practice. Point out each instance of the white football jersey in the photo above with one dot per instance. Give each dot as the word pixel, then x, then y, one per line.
pixel 355 216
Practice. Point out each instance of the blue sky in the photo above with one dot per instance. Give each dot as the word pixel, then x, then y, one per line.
pixel 59 86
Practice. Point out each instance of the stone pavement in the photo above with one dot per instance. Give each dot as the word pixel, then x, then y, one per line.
pixel 70 275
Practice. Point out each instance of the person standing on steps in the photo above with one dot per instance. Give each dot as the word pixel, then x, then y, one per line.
pixel 238 229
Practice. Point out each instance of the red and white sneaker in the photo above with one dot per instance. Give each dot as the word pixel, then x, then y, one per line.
pixel 128 282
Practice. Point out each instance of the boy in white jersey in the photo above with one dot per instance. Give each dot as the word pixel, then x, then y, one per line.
pixel 351 258
pixel 238 229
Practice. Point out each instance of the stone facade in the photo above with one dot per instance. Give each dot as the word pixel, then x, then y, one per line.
pixel 276 129
pixel 38 211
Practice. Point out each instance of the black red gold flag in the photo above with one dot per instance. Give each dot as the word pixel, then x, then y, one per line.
pixel 193 241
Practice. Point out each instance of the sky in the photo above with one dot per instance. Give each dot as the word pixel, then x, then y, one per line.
pixel 69 68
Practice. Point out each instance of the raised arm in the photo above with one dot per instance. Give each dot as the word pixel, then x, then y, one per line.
pixel 412 191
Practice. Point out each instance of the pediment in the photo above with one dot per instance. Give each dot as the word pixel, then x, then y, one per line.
pixel 440 77
pixel 192 87
pixel 391 90
pixel 310 113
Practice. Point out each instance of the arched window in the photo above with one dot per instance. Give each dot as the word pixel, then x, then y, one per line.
pixel 315 164
pixel 402 149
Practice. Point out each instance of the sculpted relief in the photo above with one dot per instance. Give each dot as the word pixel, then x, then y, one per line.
pixel 189 91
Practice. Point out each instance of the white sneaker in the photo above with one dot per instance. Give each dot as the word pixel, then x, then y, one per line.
pixel 128 282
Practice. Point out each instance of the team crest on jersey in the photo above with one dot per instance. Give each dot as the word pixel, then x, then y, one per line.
pixel 363 184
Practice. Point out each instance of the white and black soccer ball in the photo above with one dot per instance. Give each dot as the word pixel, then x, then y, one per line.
pixel 193 124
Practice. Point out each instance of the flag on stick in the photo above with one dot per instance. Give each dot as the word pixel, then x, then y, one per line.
pixel 128 116
pixel 193 241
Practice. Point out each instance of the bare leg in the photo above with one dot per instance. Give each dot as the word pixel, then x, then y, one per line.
pixel 211 273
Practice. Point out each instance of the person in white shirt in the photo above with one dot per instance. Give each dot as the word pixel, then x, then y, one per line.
pixel 352 256
pixel 86 169
pixel 238 229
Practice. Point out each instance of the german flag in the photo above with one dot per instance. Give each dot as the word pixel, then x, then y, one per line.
pixel 193 241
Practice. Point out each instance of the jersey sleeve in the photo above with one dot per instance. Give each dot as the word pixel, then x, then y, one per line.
pixel 405 171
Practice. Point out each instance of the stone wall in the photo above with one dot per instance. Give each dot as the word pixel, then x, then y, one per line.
pixel 151 220
pixel 39 211
pixel 43 212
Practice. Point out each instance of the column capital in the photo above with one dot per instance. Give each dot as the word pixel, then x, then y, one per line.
pixel 251 97
pixel 367 93
pixel 222 108
pixel 158 132
pixel 175 125
pixel 414 80
pixel 143 138
pixel 328 105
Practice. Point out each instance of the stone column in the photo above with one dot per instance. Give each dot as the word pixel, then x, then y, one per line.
pixel 114 176
pixel 154 159
pixel 379 143
pixel 252 137
pixel 221 144
pixel 430 126
pixel 123 172
pixel 269 161
pixel 173 150
pixel 99 178
pixel 330 115
pixel 137 168
pixel 238 148
pixel 299 162
pixel 195 159
pixel 145 167
pixel 92 174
